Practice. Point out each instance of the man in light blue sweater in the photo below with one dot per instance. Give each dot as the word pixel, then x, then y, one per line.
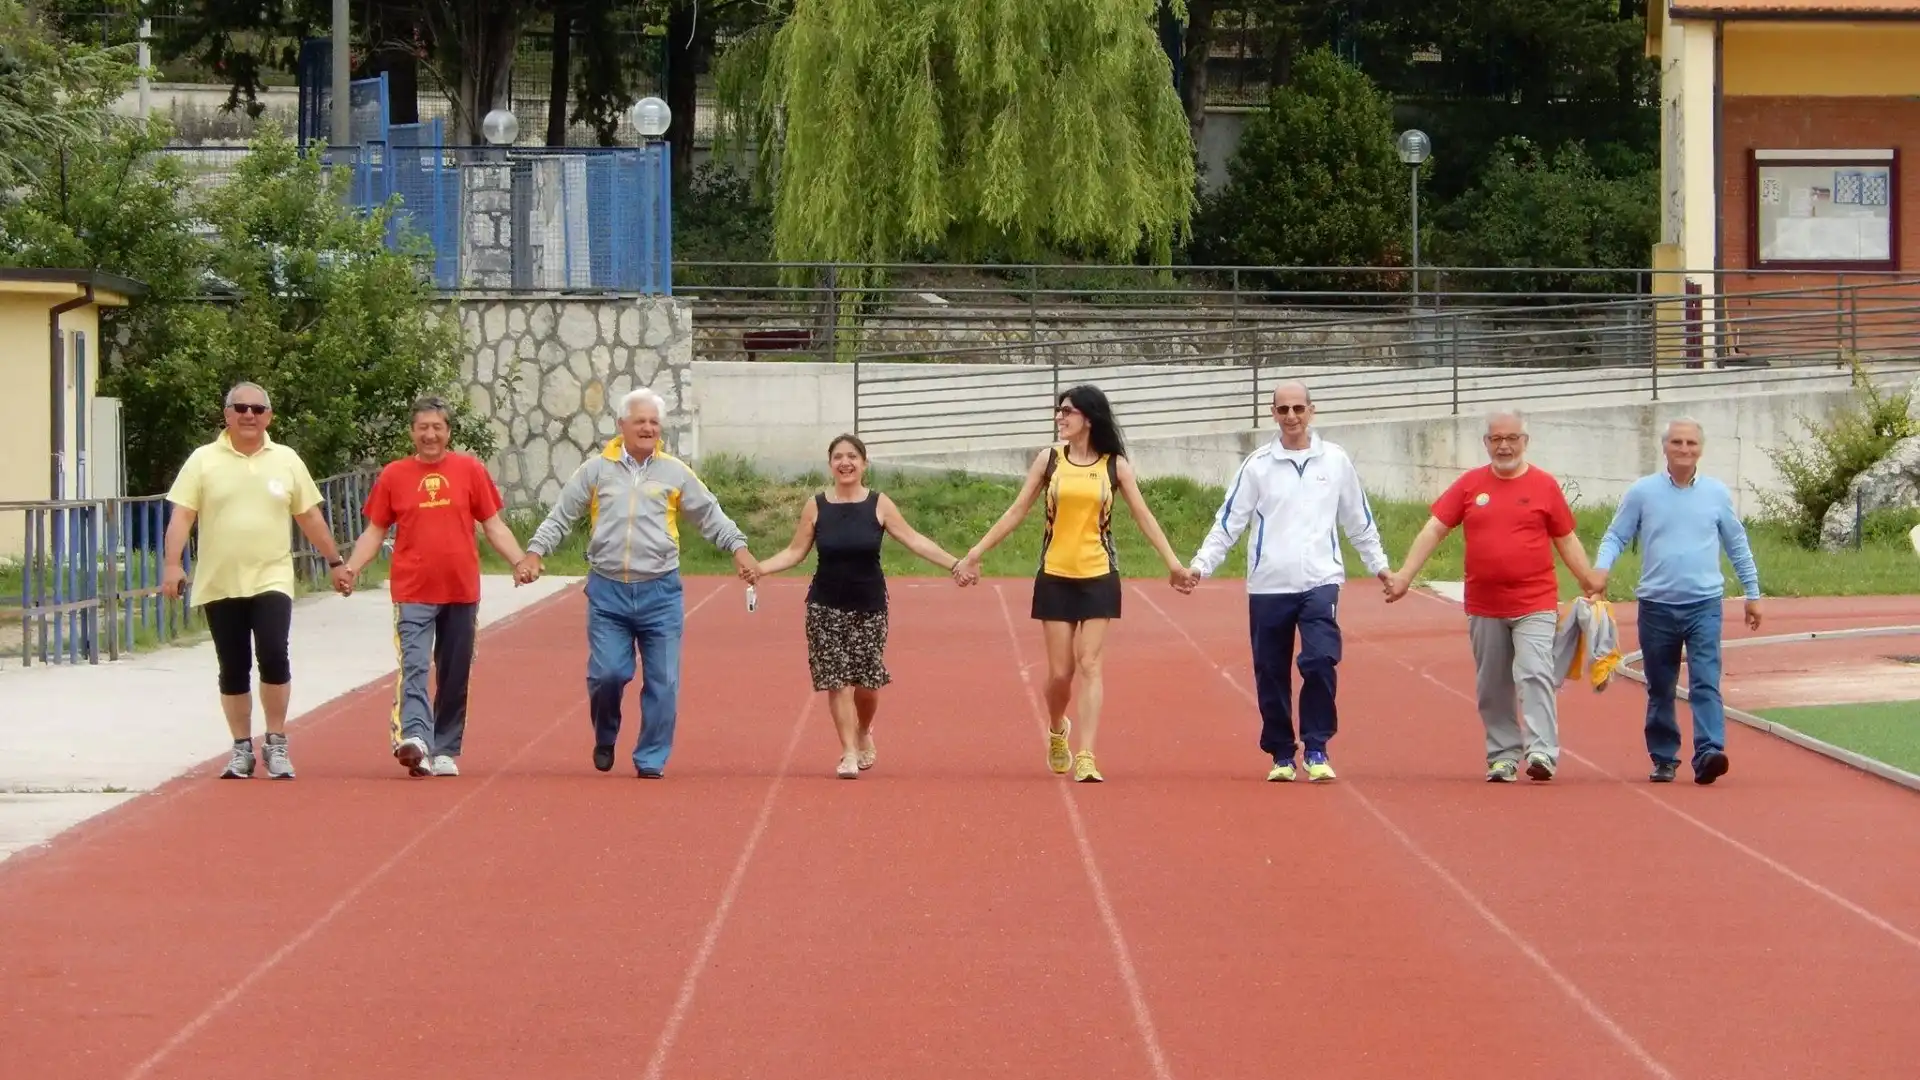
pixel 1684 521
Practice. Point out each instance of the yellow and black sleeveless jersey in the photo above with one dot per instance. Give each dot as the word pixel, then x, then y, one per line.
pixel 1079 539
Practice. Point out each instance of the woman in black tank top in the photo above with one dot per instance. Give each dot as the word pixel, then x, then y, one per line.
pixel 847 599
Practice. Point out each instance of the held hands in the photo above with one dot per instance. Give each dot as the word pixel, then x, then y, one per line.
pixel 967 571
pixel 1753 614
pixel 343 577
pixel 528 569
pixel 1184 579
pixel 746 566
pixel 1594 585
pixel 1394 585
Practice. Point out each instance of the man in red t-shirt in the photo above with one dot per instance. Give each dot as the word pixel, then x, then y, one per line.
pixel 436 497
pixel 1516 517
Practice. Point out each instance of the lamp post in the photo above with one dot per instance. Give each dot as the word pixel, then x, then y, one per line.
pixel 1414 148
pixel 500 127
pixel 650 117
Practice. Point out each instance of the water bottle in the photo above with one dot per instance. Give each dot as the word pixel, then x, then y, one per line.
pixel 752 603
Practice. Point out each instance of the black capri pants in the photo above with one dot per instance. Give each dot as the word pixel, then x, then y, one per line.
pixel 244 627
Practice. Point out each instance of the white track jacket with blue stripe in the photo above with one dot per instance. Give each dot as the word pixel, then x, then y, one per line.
pixel 1290 502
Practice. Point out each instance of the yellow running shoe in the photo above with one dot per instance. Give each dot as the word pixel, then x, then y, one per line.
pixel 1059 755
pixel 1319 770
pixel 1281 773
pixel 1084 770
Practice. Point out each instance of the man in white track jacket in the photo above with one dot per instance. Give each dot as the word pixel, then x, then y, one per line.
pixel 1294 493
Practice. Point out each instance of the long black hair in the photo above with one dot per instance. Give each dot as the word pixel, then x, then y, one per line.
pixel 1103 431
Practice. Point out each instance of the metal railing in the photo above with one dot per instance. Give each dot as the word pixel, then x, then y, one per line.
pixel 835 312
pixel 1375 365
pixel 87 573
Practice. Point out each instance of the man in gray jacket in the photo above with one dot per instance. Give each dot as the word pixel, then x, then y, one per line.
pixel 635 494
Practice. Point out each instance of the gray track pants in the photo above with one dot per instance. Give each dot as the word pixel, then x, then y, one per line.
pixel 1514 674
pixel 441 637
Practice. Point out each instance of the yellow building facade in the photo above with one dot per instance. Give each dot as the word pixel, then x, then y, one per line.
pixel 1786 126
pixel 47 389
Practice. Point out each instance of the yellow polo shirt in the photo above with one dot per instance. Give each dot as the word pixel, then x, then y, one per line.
pixel 245 506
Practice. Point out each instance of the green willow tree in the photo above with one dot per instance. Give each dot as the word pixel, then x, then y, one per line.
pixel 886 128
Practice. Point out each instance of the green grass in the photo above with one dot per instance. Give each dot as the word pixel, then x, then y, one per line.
pixel 956 509
pixel 1887 731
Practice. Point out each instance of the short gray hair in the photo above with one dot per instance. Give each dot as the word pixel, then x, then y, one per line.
pixel 1684 421
pixel 237 387
pixel 1507 414
pixel 642 395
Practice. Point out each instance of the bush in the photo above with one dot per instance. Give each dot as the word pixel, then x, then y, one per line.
pixel 1315 181
pixel 1531 210
pixel 268 277
pixel 1818 473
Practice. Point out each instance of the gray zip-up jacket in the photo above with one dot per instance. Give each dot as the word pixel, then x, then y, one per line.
pixel 635 507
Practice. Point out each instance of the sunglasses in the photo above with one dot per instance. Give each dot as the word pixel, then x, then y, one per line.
pixel 256 410
pixel 1297 410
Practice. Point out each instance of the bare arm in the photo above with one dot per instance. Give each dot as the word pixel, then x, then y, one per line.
pixel 313 525
pixel 1423 547
pixel 179 528
pixel 897 527
pixel 1142 516
pixel 789 557
pixel 367 546
pixel 1017 513
pixel 500 537
pixel 1574 554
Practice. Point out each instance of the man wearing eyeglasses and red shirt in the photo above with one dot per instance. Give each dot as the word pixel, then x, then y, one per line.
pixel 1516 517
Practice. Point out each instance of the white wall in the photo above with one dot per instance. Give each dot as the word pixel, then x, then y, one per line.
pixel 1596 429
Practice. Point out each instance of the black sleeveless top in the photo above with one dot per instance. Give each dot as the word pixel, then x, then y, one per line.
pixel 848 538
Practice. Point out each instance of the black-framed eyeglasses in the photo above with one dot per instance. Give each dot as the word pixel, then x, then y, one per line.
pixel 248 407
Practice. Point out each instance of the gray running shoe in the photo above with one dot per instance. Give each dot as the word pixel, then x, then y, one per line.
pixel 240 765
pixel 279 767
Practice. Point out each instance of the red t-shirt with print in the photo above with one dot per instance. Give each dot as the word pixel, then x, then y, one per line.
pixel 1510 526
pixel 435 557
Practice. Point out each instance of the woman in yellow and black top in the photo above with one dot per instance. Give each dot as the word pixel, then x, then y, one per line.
pixel 1076 592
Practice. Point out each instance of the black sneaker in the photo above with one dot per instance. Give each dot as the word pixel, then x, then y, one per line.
pixel 1664 772
pixel 647 774
pixel 1711 766
pixel 603 758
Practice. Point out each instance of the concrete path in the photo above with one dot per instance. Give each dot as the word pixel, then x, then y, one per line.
pixel 76 741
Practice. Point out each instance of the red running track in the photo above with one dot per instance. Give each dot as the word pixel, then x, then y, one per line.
pixel 961 912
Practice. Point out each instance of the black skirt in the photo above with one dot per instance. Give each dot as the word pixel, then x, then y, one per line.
pixel 1073 600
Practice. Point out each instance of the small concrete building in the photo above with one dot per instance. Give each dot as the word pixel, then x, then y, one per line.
pixel 1785 131
pixel 51 445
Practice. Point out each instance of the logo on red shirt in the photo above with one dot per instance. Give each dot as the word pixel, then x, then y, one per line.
pixel 434 485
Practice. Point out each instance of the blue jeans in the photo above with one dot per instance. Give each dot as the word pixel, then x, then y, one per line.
pixel 1275 619
pixel 1664 630
pixel 620 616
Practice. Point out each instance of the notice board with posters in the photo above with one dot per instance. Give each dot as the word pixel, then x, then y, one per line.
pixel 1825 209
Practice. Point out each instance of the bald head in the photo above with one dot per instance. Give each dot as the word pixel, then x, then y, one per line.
pixel 1293 411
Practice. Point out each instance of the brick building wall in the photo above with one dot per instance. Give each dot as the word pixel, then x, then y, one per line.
pixel 1767 123
pixel 1875 317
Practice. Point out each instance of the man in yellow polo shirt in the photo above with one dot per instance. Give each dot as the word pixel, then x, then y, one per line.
pixel 241 489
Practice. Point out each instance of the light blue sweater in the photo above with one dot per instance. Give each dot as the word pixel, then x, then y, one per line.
pixel 1682 532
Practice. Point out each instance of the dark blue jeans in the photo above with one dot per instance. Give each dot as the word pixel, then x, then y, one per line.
pixel 1665 629
pixel 620 616
pixel 1274 619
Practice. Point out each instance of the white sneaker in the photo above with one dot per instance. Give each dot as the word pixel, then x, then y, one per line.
pixel 412 754
pixel 444 765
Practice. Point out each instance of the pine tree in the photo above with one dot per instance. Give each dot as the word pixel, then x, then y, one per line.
pixel 887 128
